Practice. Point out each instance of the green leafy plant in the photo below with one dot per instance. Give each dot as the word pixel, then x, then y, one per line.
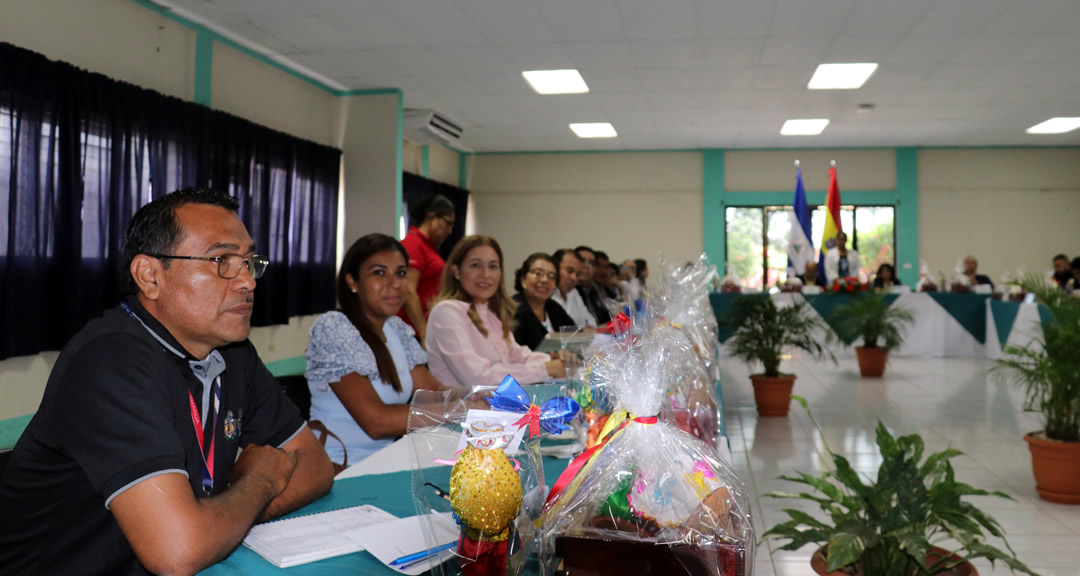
pixel 1049 367
pixel 886 528
pixel 871 316
pixel 763 331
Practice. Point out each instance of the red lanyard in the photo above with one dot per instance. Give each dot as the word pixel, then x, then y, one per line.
pixel 196 421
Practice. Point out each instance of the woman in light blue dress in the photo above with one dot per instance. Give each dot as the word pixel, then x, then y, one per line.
pixel 363 362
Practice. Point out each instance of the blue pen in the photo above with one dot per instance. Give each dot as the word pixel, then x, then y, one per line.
pixel 421 555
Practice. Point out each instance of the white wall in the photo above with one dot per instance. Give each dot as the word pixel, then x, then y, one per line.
pixel 442 162
pixel 1007 207
pixel 369 139
pixel 772 170
pixel 630 205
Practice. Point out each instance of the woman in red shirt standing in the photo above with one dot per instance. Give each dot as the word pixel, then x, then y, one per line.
pixel 432 221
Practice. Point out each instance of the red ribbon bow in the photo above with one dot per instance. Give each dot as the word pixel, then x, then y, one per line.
pixel 618 325
pixel 578 463
pixel 532 418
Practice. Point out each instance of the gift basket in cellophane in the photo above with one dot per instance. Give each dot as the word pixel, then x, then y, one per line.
pixel 478 477
pixel 649 498
pixel 681 302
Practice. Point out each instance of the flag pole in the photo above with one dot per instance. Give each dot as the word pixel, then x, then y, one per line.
pixel 832 163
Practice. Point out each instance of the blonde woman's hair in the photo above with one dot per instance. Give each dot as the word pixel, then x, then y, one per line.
pixel 450 289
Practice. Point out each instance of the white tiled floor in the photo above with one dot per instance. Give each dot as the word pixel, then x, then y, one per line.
pixel 949 401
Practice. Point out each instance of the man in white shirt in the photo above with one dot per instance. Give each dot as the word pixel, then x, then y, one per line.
pixel 841 262
pixel 567 295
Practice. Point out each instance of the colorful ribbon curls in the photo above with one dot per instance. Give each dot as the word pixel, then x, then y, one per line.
pixel 620 324
pixel 552 416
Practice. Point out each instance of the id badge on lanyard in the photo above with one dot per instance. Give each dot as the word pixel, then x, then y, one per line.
pixel 206 446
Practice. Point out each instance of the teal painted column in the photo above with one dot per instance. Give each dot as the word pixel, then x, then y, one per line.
pixel 424 151
pixel 907 215
pixel 715 223
pixel 204 66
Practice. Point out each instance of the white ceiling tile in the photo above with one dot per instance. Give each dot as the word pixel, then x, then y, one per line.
pixel 726 79
pixel 990 48
pixel 665 53
pixel 901 75
pixel 612 80
pixel 1034 17
pixel 1047 76
pixel 961 75
pixel 583 20
pixel 782 77
pixel 606 55
pixel 885 17
pixel 306 33
pixel 513 23
pixel 673 100
pixel 660 79
pixel 262 38
pixel 248 9
pixel 536 56
pixel 434 22
pixel 418 61
pixel 1056 48
pixel 927 49
pixel 961 16
pixel 652 20
pixel 816 18
pixel 501 84
pixel 791 50
pixel 721 18
pixel 862 48
pixel 478 61
pixel 369 27
pixel 623 101
pixel 347 64
pixel 731 52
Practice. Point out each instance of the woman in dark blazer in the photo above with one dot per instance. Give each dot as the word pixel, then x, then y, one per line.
pixel 537 314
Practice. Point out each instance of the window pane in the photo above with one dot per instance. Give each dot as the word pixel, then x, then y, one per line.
pixel 779 231
pixel 744 250
pixel 875 229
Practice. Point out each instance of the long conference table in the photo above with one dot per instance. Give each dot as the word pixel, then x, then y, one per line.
pixel 946 324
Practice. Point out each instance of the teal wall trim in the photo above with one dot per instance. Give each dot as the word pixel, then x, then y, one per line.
pixel 550 152
pixel 367 92
pixel 204 67
pixel 907 215
pixel 713 197
pixel 784 197
pixel 463 170
pixel 424 154
pixel 398 193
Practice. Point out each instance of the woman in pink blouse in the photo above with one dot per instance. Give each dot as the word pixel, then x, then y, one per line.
pixel 470 340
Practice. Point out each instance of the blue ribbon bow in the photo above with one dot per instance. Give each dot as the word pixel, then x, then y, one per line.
pixel 552 416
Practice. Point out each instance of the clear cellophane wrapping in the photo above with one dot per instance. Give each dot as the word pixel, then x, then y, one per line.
pixel 650 498
pixel 435 426
pixel 681 301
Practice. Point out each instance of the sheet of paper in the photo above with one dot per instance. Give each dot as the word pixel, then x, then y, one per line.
pixel 306 539
pixel 392 540
pixel 497 421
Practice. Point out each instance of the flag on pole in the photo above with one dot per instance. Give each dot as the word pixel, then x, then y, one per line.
pixel 832 222
pixel 800 249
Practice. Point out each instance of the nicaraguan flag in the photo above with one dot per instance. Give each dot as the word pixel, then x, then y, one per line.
pixel 800 250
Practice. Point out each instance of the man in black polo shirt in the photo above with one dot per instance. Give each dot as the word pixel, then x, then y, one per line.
pixel 129 466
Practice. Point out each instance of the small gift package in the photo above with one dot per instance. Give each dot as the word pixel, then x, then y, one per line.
pixel 477 466
pixel 648 498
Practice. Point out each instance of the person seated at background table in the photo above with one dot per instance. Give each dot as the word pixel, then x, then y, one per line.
pixel 116 473
pixel 470 342
pixel 839 261
pixel 567 294
pixel 587 286
pixel 810 276
pixel 603 275
pixel 1062 273
pixel 641 269
pixel 433 221
pixel 1075 267
pixel 612 285
pixel 537 314
pixel 971 269
pixel 886 276
pixel 363 363
pixel 628 280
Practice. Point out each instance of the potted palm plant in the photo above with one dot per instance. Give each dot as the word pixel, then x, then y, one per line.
pixel 1049 370
pixel 762 331
pixel 880 326
pixel 888 527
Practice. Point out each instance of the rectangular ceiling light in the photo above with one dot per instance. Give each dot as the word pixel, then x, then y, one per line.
pixel 594 130
pixel 1059 125
pixel 804 127
pixel 841 76
pixel 556 81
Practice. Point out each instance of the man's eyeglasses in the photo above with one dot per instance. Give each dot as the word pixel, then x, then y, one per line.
pixel 540 274
pixel 229 265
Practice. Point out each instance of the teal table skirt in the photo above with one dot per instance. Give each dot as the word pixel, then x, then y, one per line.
pixel 11 429
pixel 391 492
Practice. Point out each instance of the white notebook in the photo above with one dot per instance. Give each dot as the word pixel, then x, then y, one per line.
pixel 295 541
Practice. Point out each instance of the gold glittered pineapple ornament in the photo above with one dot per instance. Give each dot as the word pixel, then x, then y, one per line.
pixel 485 490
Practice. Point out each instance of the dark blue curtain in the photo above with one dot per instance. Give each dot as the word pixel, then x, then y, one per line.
pixel 80 153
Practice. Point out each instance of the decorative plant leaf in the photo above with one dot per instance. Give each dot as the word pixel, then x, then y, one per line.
pixel 887 527
pixel 871 316
pixel 763 331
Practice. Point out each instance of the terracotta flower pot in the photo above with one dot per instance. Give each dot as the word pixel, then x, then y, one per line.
pixel 935 554
pixel 772 395
pixel 1057 468
pixel 872 361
